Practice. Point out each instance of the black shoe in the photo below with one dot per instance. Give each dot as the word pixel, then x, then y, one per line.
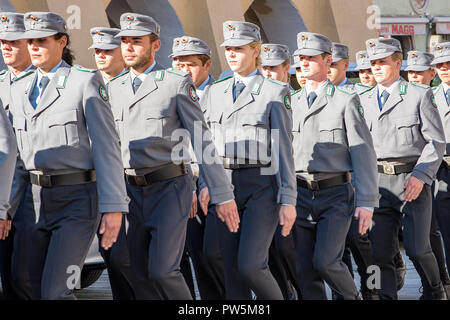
pixel 400 270
pixel 437 293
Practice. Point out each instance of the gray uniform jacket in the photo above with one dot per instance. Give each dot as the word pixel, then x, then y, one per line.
pixel 444 111
pixel 242 130
pixel 5 86
pixel 332 137
pixel 146 121
pixel 71 130
pixel 408 128
pixel 8 153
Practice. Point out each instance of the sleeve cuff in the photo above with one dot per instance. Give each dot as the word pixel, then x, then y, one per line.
pixel 422 177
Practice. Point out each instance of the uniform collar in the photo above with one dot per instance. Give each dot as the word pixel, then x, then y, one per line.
pixel 318 90
pixel 204 84
pixel 50 74
pixel 389 89
pixel 13 76
pixel 343 83
pixel 106 81
pixel 247 79
pixel 144 74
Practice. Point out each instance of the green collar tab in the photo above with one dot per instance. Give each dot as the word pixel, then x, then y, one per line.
pixel 329 90
pixel 159 75
pixel 256 88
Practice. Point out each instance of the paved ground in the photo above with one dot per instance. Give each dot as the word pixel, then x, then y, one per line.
pixel 410 291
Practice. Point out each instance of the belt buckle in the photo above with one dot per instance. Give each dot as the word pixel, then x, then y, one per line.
pixel 140 180
pixel 388 168
pixel 44 180
pixel 313 185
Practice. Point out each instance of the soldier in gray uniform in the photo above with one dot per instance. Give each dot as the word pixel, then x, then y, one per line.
pixel 419 67
pixel 368 82
pixel 66 139
pixel 331 140
pixel 275 64
pixel 301 80
pixel 356 244
pixel 193 56
pixel 337 72
pixel 154 150
pixel 109 61
pixel 409 141
pixel 245 112
pixel 16 57
pixel 441 205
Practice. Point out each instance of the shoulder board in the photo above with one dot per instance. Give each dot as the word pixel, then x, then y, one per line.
pixel 277 82
pixel 419 85
pixel 25 74
pixel 347 90
pixel 295 92
pixel 80 68
pixel 329 90
pixel 402 88
pixel 119 75
pixel 177 72
pixel 223 79
pixel 436 89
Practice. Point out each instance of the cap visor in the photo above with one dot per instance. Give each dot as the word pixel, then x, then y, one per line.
pixel 307 52
pixel 186 53
pixel 236 42
pixel 132 33
pixel 363 67
pixel 381 55
pixel 36 34
pixel 417 68
pixel 441 60
pixel 272 63
pixel 11 36
pixel 295 65
pixel 104 46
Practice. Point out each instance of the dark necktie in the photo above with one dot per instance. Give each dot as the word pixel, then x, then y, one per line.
pixel 44 82
pixel 238 88
pixel 311 98
pixel 448 97
pixel 136 84
pixel 384 96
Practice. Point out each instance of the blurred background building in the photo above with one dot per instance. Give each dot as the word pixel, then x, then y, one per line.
pixel 416 23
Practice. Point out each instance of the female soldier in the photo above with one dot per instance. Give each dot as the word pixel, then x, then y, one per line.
pixel 66 139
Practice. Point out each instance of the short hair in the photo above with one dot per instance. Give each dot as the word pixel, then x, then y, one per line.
pixel 153 37
pixel 253 45
pixel 396 56
pixel 204 58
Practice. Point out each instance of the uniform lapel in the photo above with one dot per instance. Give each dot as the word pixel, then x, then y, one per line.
pixel 127 90
pixel 320 102
pixel 247 96
pixel 394 98
pixel 228 97
pixel 148 86
pixel 372 103
pixel 29 88
pixel 441 102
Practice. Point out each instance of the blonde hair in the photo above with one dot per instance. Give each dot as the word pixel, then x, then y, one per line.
pixel 397 56
pixel 254 45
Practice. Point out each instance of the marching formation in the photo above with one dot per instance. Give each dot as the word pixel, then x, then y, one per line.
pixel 268 191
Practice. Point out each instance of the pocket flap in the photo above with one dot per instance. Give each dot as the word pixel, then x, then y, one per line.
pixel 407 121
pixel 19 123
pixel 332 124
pixel 62 118
pixel 156 114
pixel 253 119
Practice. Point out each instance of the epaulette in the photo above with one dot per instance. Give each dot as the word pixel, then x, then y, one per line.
pixel 419 85
pixel 177 72
pixel 295 92
pixel 81 68
pixel 25 75
pixel 277 82
pixel 119 75
pixel 347 90
pixel 223 79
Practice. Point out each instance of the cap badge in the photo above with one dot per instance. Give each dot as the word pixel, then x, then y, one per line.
pixel 130 18
pixel 4 19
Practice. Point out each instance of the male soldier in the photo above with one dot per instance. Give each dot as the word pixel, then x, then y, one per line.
pixel 419 67
pixel 193 56
pixel 153 155
pixel 441 62
pixel 331 139
pixel 301 80
pixel 409 141
pixel 275 64
pixel 16 57
pixel 251 121
pixel 368 82
pixel 109 61
pixel 337 73
pixel 357 244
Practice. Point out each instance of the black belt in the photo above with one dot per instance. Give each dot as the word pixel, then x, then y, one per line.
pixel 48 181
pixel 168 172
pixel 229 163
pixel 317 185
pixel 392 169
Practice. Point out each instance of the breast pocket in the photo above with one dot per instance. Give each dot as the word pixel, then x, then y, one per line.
pixel 156 123
pixel 253 127
pixel 20 126
pixel 332 131
pixel 408 129
pixel 63 129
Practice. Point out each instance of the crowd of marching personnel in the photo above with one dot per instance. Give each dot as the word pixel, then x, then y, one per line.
pixel 272 198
